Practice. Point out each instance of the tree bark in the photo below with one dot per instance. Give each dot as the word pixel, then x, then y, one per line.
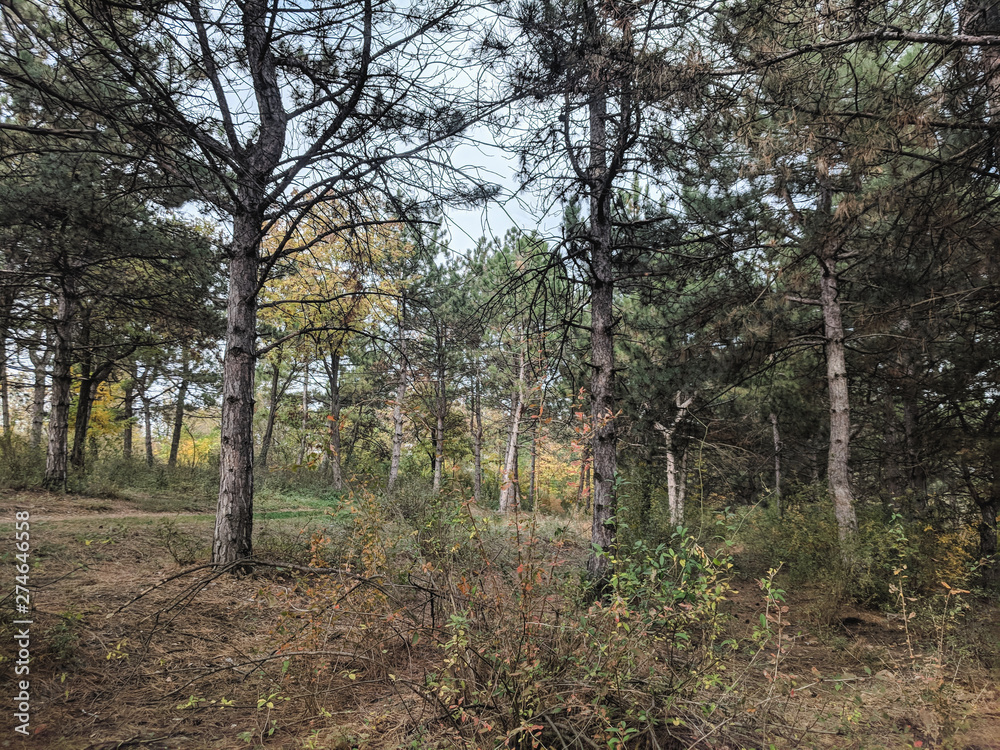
pixel 147 421
pixel 303 442
pixel 6 304
pixel 128 414
pixel 39 361
pixel 776 437
pixel 584 478
pixel 533 473
pixel 84 408
pixel 57 452
pixel 602 345
pixel 175 437
pixel 440 409
pixel 477 437
pixel 838 472
pixel 234 517
pixel 334 448
pixel 397 407
pixel 676 477
pixel 232 539
pixel 272 411
pixel 507 478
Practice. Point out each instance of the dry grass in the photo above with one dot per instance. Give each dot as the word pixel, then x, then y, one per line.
pixel 214 661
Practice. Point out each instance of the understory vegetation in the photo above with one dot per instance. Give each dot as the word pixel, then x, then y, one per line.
pixel 514 374
pixel 424 621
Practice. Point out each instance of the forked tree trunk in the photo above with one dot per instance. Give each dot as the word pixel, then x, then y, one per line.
pixel 57 452
pixel 676 476
pixel 89 387
pixel 234 517
pixel 838 464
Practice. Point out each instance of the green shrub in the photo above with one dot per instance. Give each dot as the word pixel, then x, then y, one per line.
pixel 21 467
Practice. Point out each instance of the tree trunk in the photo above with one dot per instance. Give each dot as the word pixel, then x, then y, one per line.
pixel 334 448
pixel 533 474
pixel 840 421
pixel 128 412
pixel 397 407
pixel 508 480
pixel 441 408
pixel 84 408
pixel 477 437
pixel 272 412
pixel 777 460
pixel 234 519
pixel 175 437
pixel 916 474
pixel 147 421
pixel 6 304
pixel 602 344
pixel 39 361
pixel 303 442
pixel 85 397
pixel 676 477
pixel 584 460
pixel 56 456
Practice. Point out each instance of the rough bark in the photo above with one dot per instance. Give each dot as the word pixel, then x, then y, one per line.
pixel 128 412
pixel 234 518
pixel 85 397
pixel 838 462
pixel 602 352
pixel 397 407
pixel 6 303
pixel 57 452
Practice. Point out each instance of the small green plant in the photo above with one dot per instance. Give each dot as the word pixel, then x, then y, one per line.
pixel 182 546
pixel 63 638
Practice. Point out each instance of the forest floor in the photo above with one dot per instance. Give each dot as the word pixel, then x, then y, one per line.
pixel 192 663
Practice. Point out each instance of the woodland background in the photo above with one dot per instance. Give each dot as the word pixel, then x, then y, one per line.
pixel 752 324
